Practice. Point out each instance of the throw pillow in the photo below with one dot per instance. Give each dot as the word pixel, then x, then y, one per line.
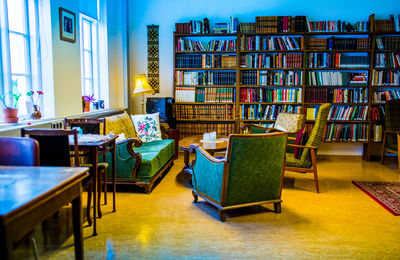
pixel 299 141
pixel 147 127
pixel 121 137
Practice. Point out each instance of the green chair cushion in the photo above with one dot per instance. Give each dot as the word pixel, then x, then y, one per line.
pixel 291 161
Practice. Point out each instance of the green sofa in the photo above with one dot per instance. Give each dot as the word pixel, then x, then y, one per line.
pixel 137 162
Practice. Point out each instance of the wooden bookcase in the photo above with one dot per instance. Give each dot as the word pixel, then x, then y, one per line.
pixel 312 68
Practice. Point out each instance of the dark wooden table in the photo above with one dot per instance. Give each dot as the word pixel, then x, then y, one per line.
pixel 97 149
pixel 29 195
pixel 185 143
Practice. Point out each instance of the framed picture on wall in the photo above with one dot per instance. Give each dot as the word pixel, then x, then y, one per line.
pixel 67 25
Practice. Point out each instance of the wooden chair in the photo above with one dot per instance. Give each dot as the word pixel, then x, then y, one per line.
pixel 251 174
pixel 391 134
pixel 20 151
pixel 307 161
pixel 55 151
pixel 92 126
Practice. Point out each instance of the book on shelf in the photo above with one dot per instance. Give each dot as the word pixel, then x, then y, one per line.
pixel 189 78
pixel 279 60
pixel 205 112
pixel 337 26
pixel 336 78
pixel 385 95
pixel 387 60
pixel 270 43
pixel 270 95
pixel 377 133
pixel 330 95
pixel 205 61
pixel 348 113
pixel 337 43
pixel 336 60
pixel 385 78
pixel 233 25
pixel 183 44
pixel 346 132
pixel 388 42
pixel 266 112
pixel 276 78
pixel 377 113
pixel 247 27
pixel 311 113
pixel 384 25
pixel 221 28
pixel 189 129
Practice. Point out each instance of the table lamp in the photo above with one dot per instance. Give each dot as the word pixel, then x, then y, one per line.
pixel 142 87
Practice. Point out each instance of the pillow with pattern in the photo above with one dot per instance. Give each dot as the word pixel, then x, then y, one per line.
pixel 147 127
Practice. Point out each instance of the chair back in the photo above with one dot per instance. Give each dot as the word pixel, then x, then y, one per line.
pixel 316 134
pixel 392 121
pixel 255 165
pixel 55 146
pixel 88 125
pixel 290 122
pixel 19 151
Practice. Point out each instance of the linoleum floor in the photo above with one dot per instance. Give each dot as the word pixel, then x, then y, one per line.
pixel 341 222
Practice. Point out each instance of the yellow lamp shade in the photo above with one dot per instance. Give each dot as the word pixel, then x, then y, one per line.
pixel 141 86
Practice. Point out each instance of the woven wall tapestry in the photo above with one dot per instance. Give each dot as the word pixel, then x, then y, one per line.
pixel 153 72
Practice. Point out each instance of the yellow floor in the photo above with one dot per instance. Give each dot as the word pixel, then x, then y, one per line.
pixel 341 222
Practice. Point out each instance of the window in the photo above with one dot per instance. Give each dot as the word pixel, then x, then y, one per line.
pixel 89 57
pixel 20 51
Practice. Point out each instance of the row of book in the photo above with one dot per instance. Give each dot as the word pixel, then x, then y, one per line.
pixel 335 43
pixel 354 113
pixel 337 26
pixel 266 112
pixel 205 112
pixel 377 133
pixel 193 94
pixel 276 78
pixel 265 43
pixel 388 25
pixel 382 96
pixel 322 95
pixel 346 132
pixel 336 78
pixel 194 27
pixel 336 60
pixel 385 78
pixel 279 60
pixel 377 113
pixel 189 129
pixel 276 24
pixel 270 95
pixel 205 61
pixel 190 78
pixel 183 44
pixel 387 60
pixel 388 43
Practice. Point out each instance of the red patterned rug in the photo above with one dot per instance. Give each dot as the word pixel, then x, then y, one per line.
pixel 387 194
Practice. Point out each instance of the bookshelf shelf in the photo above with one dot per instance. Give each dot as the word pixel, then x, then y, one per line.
pixel 305 52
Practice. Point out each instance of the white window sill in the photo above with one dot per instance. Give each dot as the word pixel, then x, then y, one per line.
pixel 33 122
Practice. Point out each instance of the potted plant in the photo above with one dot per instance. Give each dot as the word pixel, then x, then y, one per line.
pixel 35 114
pixel 10 102
pixel 86 100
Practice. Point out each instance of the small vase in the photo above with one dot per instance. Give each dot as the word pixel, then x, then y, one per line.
pixel 36 114
pixel 87 106
pixel 10 115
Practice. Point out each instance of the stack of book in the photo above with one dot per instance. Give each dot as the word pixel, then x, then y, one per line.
pixel 221 28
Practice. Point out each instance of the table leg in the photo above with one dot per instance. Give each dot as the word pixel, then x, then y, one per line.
pixel 186 159
pixel 77 224
pixel 94 186
pixel 114 172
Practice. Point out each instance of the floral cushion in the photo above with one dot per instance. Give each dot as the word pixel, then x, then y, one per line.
pixel 147 127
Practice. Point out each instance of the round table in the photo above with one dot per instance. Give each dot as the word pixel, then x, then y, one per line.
pixel 184 144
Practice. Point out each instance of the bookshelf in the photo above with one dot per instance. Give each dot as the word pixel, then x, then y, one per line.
pixel 290 64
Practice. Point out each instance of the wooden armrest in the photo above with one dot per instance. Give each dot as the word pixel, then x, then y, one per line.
pixel 302 146
pixel 131 141
pixel 391 132
pixel 291 138
pixel 211 158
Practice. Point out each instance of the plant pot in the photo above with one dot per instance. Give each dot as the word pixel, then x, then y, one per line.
pixel 87 106
pixel 10 115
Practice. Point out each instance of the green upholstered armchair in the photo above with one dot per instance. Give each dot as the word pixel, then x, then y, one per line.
pixel 307 160
pixel 391 134
pixel 250 174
